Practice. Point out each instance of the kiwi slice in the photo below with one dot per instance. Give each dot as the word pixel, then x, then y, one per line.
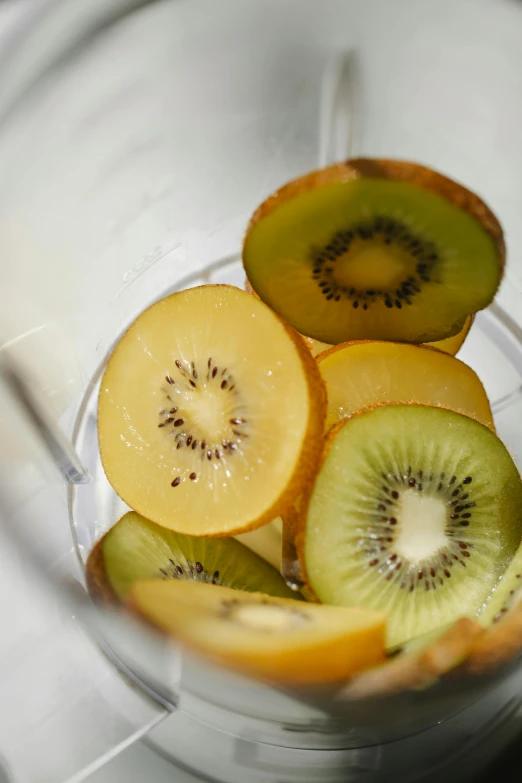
pixel 362 374
pixel 265 541
pixel 500 644
pixel 449 345
pixel 420 664
pixel 452 345
pixel 507 594
pixel 374 249
pixel 274 639
pixel 416 511
pixel 209 413
pixel 136 548
pixel 502 616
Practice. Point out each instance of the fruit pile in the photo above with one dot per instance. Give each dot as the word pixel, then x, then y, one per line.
pixel 323 413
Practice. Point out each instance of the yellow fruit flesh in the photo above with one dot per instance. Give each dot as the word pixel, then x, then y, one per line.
pixel 208 413
pixel 362 374
pixel 266 542
pixel 275 639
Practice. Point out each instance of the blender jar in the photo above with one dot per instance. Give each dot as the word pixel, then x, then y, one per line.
pixel 136 138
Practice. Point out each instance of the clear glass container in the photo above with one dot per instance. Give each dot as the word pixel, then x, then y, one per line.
pixel 136 138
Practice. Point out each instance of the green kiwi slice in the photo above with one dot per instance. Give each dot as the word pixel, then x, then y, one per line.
pixel 507 593
pixel 416 511
pixel 136 549
pixel 374 249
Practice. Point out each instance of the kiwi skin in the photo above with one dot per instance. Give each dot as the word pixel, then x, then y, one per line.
pixel 308 461
pixel 98 586
pixel 397 171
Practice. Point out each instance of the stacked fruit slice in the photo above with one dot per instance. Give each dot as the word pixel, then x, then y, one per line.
pixel 329 397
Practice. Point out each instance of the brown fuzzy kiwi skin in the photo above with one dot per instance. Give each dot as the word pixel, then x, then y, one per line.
pixel 499 644
pixel 250 291
pixel 308 462
pixel 397 171
pixel 329 351
pixel 417 670
pixel 98 585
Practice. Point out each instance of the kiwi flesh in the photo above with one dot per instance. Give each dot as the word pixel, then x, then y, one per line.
pixel 501 642
pixel 499 645
pixel 361 374
pixel 374 249
pixel 274 639
pixel 416 511
pixel 209 413
pixel 136 548
pixel 506 595
pixel 265 541
pixel 452 345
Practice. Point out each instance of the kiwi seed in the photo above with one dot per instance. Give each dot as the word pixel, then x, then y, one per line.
pixel 389 232
pixel 417 510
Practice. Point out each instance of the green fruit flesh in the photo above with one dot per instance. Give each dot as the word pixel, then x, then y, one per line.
pixel 136 549
pixel 507 593
pixel 416 511
pixel 372 259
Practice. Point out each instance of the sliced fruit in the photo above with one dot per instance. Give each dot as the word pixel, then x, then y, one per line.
pixel 291 570
pixel 416 511
pixel 500 644
pixel 362 374
pixel 507 594
pixel 453 344
pixel 275 639
pixel 316 347
pixel 418 666
pixel 138 549
pixel 374 249
pixel 209 413
pixel 450 345
pixel 266 542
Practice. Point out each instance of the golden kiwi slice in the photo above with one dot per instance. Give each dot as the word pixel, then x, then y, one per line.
pixel 209 413
pixel 374 249
pixel 365 373
pixel 275 639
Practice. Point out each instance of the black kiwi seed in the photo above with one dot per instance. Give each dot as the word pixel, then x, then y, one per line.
pixel 184 428
pixel 385 559
pixel 423 253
